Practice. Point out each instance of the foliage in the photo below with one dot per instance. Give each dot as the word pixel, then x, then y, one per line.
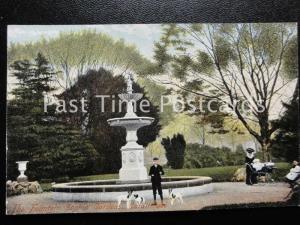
pixel 285 144
pixel 52 148
pixel 290 65
pixel 251 62
pixel 199 156
pixel 154 93
pixel 73 53
pixel 175 148
pixel 93 123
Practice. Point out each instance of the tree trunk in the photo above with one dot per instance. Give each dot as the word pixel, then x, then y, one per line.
pixel 203 134
pixel 266 151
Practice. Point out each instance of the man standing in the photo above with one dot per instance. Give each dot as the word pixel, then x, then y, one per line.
pixel 155 172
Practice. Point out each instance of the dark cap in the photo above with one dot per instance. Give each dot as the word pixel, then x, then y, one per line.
pixel 155 158
pixel 250 150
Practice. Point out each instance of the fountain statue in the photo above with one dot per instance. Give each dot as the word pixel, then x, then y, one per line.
pixel 133 169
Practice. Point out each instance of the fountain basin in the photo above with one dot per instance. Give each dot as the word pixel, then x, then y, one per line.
pixel 109 190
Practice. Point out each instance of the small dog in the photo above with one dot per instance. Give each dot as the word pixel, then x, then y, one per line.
pixel 175 196
pixel 126 198
pixel 139 200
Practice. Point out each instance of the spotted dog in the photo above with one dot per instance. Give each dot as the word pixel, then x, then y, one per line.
pixel 175 196
pixel 126 198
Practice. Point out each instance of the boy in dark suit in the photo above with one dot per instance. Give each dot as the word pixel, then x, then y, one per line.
pixel 155 172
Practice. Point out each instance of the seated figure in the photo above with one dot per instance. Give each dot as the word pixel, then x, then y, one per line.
pixel 257 165
pixel 294 174
pixel 264 170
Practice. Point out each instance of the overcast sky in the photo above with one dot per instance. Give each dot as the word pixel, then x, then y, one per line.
pixel 142 35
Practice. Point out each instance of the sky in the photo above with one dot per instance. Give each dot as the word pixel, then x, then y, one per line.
pixel 142 35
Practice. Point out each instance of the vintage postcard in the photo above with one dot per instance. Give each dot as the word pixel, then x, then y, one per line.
pixel 151 117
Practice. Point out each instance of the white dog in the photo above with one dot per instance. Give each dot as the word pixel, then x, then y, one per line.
pixel 175 196
pixel 139 200
pixel 126 198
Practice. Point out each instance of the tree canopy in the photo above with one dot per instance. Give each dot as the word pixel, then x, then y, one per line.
pixel 73 53
pixel 52 147
pixel 106 139
pixel 239 62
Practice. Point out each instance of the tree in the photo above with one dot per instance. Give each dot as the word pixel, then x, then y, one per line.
pixel 106 139
pixel 74 53
pixel 286 141
pixel 52 147
pixel 175 148
pixel 240 62
pixel 154 92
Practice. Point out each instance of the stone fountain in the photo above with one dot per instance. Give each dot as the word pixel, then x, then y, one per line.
pixel 133 173
pixel 133 169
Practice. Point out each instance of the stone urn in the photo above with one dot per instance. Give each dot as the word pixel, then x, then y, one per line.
pixel 22 166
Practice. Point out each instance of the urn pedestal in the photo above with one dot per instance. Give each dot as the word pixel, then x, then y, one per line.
pixel 22 166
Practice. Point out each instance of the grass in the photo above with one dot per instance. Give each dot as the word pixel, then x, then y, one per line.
pixel 218 174
pixel 98 177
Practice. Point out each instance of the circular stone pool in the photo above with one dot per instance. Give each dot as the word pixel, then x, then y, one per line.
pixel 109 190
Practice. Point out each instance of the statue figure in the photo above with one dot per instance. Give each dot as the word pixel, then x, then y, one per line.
pixel 129 83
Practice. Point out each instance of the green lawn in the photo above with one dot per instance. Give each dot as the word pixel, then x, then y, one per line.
pixel 218 174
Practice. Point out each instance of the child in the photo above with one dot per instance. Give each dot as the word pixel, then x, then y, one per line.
pixel 155 172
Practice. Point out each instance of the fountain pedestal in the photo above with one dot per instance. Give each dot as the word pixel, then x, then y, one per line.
pixel 133 169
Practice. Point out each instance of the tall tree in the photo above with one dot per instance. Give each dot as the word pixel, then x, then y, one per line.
pixel 107 140
pixel 74 53
pixel 52 148
pixel 286 141
pixel 175 148
pixel 242 62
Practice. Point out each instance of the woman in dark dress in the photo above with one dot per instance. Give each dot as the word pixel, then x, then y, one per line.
pixel 251 175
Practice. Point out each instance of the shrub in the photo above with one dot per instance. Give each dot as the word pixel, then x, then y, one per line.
pixel 199 156
pixel 175 148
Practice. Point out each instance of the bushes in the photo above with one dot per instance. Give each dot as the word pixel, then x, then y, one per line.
pixel 199 156
pixel 175 148
pixel 218 174
pixel 224 174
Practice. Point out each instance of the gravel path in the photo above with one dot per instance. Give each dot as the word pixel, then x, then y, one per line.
pixel 224 193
